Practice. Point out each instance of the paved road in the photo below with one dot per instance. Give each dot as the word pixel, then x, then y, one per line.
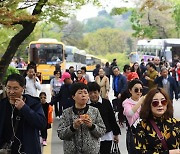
pixel 55 145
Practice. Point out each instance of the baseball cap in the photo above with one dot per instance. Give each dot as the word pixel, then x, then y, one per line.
pixel 132 76
pixel 65 75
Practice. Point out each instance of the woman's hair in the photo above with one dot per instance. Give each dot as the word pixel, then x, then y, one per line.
pixel 146 112
pixel 133 82
pixel 79 71
pixel 83 68
pixel 42 93
pixel 77 86
pixel 101 68
pixel 93 86
pixel 56 72
pixel 126 67
pixel 138 69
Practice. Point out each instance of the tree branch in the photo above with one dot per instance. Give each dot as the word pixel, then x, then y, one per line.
pixel 149 20
pixel 16 41
pixel 21 8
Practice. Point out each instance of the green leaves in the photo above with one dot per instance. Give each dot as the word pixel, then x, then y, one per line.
pixel 119 11
pixel 107 40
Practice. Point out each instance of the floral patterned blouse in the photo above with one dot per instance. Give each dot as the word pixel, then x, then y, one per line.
pixel 147 141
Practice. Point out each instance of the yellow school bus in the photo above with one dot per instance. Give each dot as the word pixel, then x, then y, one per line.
pixel 47 53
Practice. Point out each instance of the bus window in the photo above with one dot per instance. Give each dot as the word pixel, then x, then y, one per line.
pixel 34 54
pixel 46 53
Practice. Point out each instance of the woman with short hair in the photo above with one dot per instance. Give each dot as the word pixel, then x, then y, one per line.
pixel 81 126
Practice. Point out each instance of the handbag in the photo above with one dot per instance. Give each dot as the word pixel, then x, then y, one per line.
pixel 161 138
pixel 50 114
pixel 115 148
pixel 6 148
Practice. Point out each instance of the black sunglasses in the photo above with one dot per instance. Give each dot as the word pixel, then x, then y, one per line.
pixel 156 103
pixel 136 90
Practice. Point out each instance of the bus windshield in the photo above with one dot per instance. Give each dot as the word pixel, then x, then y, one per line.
pixel 46 53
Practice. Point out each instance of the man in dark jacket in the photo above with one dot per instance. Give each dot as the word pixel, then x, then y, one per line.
pixel 119 82
pixel 64 96
pixel 24 112
pixel 119 86
pixel 168 83
pixel 107 114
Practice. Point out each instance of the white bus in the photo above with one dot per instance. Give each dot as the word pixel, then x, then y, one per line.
pixel 75 57
pixel 166 49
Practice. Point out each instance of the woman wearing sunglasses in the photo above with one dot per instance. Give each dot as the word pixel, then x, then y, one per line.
pixel 132 108
pixel 158 132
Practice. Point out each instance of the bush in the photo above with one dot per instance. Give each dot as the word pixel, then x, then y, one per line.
pixel 10 70
pixel 122 59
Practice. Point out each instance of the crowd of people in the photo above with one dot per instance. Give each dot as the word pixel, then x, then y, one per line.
pixel 143 98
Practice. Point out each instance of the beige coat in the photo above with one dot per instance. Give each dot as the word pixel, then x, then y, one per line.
pixel 104 84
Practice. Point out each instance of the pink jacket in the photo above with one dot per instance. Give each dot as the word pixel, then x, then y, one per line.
pixel 130 115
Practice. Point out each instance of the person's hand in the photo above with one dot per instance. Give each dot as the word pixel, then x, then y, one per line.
pixel 77 123
pixel 19 103
pixel 119 95
pixel 116 138
pixel 141 100
pixel 147 78
pixel 174 151
pixel 52 93
pixel 106 96
pixel 88 122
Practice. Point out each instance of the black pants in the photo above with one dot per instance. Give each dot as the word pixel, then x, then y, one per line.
pixel 130 142
pixel 44 133
pixel 58 108
pixel 105 147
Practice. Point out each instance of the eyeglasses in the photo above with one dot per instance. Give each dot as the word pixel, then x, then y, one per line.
pixel 79 73
pixel 14 89
pixel 136 90
pixel 156 103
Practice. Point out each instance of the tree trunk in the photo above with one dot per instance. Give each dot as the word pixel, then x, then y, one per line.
pixel 13 46
pixel 28 27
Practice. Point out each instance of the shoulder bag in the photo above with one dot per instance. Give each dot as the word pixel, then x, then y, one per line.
pixel 161 138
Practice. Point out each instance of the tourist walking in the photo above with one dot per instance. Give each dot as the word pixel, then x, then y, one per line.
pixel 81 126
pixel 158 131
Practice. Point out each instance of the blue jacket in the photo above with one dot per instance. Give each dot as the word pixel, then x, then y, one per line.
pixel 33 121
pixel 173 86
pixel 122 84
